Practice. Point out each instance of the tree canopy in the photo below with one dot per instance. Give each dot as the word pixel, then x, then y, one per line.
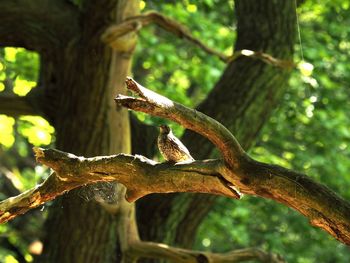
pixel 308 132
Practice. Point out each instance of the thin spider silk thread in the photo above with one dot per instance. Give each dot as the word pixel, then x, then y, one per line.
pixel 298 29
pixel 307 88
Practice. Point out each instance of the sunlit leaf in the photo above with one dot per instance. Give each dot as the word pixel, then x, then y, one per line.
pixel 305 68
pixel 10 54
pixel 191 8
pixel 142 5
pixel 38 132
pixel 10 259
pixel 6 131
pixel 22 87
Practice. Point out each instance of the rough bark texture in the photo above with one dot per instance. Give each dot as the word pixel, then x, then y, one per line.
pixel 43 24
pixel 142 176
pixel 83 77
pixel 23 107
pixel 78 72
pixel 242 100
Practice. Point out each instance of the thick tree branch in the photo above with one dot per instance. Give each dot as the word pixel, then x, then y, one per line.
pixel 115 35
pixel 13 105
pixel 155 104
pixel 37 25
pixel 155 250
pixel 322 206
pixel 142 176
pixel 242 100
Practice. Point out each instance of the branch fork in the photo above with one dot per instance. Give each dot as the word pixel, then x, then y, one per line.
pixel 141 176
pixel 115 35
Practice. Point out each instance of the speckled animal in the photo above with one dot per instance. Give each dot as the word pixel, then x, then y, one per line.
pixel 172 149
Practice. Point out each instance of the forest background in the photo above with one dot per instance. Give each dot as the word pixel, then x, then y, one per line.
pixel 309 131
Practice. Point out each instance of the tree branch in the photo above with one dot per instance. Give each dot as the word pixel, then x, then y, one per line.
pixel 13 105
pixel 37 25
pixel 155 104
pixel 322 206
pixel 242 100
pixel 114 35
pixel 155 250
pixel 142 176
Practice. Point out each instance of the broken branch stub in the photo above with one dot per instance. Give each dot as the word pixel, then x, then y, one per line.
pixel 158 105
pixel 293 189
pixel 142 176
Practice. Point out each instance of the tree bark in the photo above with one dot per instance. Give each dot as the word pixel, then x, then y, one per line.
pixel 37 25
pixel 86 76
pixel 78 73
pixel 242 100
pixel 142 176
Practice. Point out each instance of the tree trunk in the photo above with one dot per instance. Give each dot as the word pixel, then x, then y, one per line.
pixel 88 76
pixel 81 76
pixel 243 99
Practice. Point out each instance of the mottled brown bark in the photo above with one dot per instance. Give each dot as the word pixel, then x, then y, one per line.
pixel 243 99
pixel 83 77
pixel 142 176
pixel 22 106
pixel 77 92
pixel 39 25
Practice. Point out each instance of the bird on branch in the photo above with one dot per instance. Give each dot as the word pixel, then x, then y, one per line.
pixel 172 149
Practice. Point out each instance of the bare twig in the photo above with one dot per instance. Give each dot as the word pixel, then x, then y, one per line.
pixel 133 24
pixel 267 58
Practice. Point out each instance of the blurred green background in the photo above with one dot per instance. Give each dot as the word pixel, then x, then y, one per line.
pixel 310 131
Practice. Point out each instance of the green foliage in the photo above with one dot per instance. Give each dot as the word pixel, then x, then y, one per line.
pixel 6 131
pixel 312 124
pixel 261 223
pixel 309 132
pixel 18 69
pixel 176 68
pixel 18 74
